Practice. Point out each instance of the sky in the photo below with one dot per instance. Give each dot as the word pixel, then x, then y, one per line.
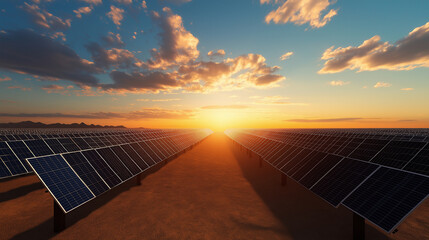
pixel 216 64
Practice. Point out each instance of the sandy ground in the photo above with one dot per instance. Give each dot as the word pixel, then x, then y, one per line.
pixel 213 191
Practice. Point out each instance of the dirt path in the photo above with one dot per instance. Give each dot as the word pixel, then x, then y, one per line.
pixel 210 192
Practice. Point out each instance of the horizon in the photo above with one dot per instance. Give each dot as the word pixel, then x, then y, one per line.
pixel 217 65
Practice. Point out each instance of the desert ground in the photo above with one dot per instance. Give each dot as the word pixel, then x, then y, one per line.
pixel 213 191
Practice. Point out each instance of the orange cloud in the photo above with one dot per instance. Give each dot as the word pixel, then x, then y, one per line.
pixel 5 79
pixel 286 56
pixel 338 83
pixel 95 2
pixel 408 53
pixel 82 10
pixel 407 89
pixel 45 19
pixel 20 88
pixel 382 85
pixel 178 46
pixel 216 53
pixel 301 12
pixel 116 14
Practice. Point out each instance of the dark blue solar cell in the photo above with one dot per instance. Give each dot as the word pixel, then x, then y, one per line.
pixel 319 170
pixel 22 152
pixel 295 160
pixel 307 164
pixel 10 160
pixel 134 156
pixel 398 153
pixel 149 151
pixel 115 163
pixel 368 149
pixel 66 187
pixel 420 163
pixel 81 143
pixel 4 171
pixel 102 168
pixel 338 183
pixel 388 196
pixel 68 144
pixel 154 145
pixel 55 145
pixel 91 142
pixel 128 162
pixel 143 154
pixel 38 147
pixel 86 172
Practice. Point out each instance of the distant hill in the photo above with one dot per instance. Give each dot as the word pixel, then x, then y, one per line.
pixel 30 124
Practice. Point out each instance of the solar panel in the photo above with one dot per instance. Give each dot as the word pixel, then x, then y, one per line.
pixel 38 147
pixel 63 183
pixel 103 169
pixel 68 144
pixel 55 145
pixel 397 153
pixel 22 152
pixel 142 153
pixel 86 172
pixel 135 156
pixel 128 162
pixel 118 167
pixel 420 163
pixel 81 143
pixel 10 160
pixel 341 180
pixel 149 151
pixel 388 196
pixel 368 149
pixel 307 164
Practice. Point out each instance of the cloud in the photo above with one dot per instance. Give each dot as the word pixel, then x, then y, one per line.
pixel 116 14
pixel 216 53
pixel 94 2
pixel 322 120
pixel 176 1
pixel 338 83
pixel 145 113
pixel 113 40
pixel 20 88
pixel 382 85
pixel 233 73
pixel 45 19
pixel 5 79
pixel 53 87
pixel 225 107
pixel 286 56
pixel 158 100
pixel 82 10
pixel 116 57
pixel 407 89
pixel 151 81
pixel 301 12
pixel 27 52
pixel 124 1
pixel 59 35
pixel 178 46
pixel 408 53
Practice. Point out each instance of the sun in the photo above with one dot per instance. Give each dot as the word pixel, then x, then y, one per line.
pixel 219 120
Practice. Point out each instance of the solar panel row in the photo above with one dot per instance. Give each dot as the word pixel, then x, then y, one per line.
pixel 14 152
pixel 354 171
pixel 76 177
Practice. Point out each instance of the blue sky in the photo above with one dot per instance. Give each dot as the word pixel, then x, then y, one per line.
pixel 268 91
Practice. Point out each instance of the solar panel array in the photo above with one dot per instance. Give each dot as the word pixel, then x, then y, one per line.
pixel 17 145
pixel 76 175
pixel 380 174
